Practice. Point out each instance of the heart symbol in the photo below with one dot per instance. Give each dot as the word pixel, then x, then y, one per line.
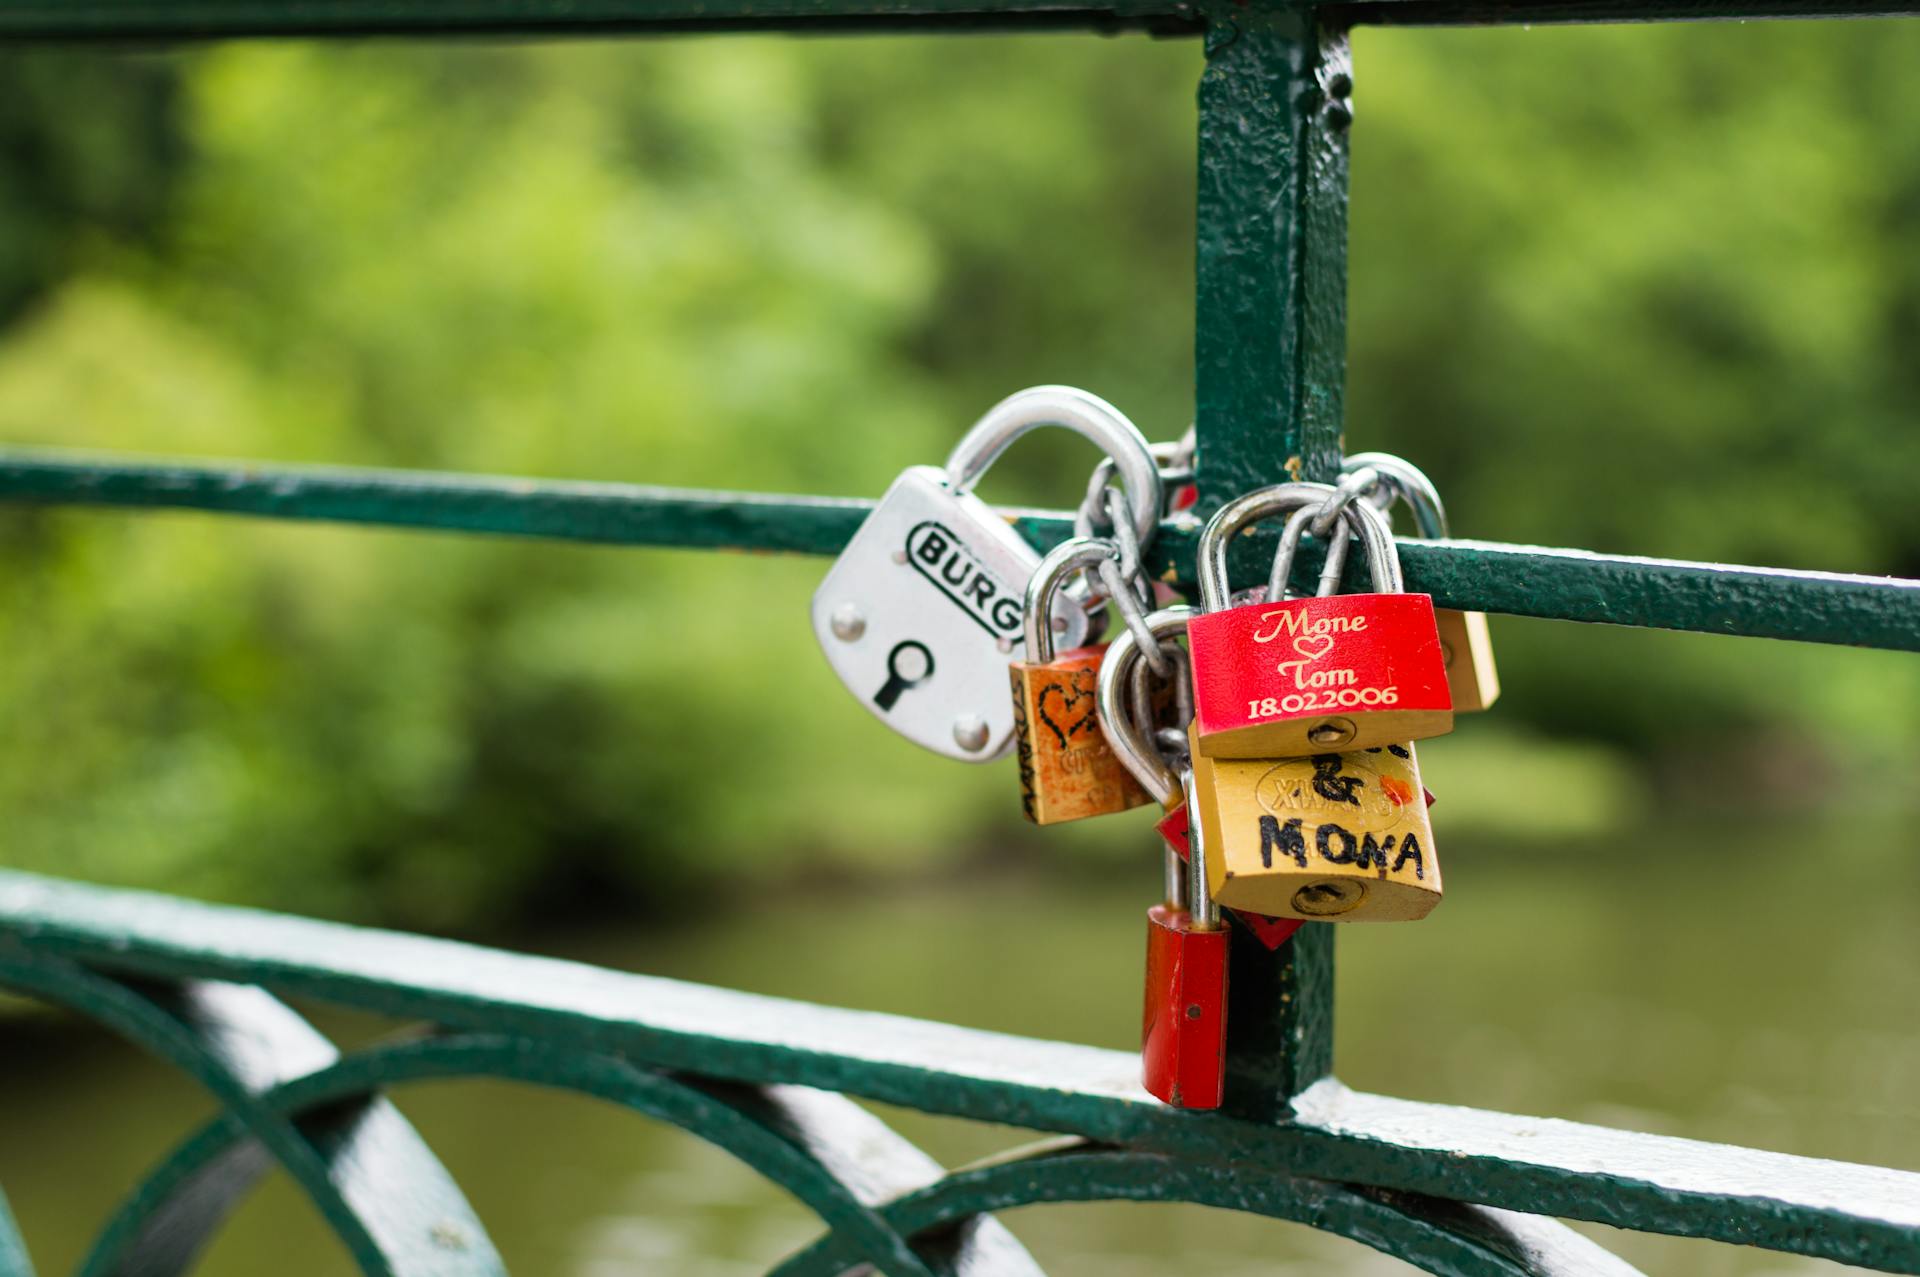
pixel 1313 646
pixel 1068 723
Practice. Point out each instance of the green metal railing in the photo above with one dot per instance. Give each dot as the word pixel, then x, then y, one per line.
pixel 1451 1190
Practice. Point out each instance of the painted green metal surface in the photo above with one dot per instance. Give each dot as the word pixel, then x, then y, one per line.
pixel 206 19
pixel 1575 585
pixel 608 513
pixel 1453 1191
pixel 92 939
pixel 1270 333
pixel 370 1176
pixel 197 19
pixel 1440 1237
pixel 1269 367
pixel 832 1155
pixel 1518 12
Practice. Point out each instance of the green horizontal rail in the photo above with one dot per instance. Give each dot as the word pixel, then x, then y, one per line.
pixel 610 513
pixel 1854 1214
pixel 171 19
pixel 1815 607
pixel 1532 12
pixel 189 19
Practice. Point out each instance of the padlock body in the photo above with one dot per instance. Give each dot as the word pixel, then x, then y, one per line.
pixel 1067 769
pixel 1349 671
pixel 1330 838
pixel 921 614
pixel 1467 650
pixel 1183 1040
pixel 1271 932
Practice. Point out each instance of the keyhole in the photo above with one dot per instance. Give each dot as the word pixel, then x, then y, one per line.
pixel 896 681
pixel 1330 896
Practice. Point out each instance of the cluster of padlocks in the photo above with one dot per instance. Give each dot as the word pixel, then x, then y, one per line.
pixel 1279 739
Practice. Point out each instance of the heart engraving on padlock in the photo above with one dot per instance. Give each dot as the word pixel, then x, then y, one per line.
pixel 1311 648
pixel 1083 697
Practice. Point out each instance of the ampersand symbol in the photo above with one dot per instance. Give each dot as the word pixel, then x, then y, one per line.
pixel 1330 784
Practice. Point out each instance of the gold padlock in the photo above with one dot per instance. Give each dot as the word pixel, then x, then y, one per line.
pixel 1465 645
pixel 1067 769
pixel 1467 650
pixel 1327 838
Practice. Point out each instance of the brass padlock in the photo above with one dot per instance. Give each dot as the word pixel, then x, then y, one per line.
pixel 1465 645
pixel 1067 769
pixel 1329 837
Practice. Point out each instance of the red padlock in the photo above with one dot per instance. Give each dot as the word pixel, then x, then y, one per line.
pixel 1183 1040
pixel 1183 1025
pixel 1290 678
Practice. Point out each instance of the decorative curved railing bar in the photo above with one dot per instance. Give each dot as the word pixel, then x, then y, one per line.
pixel 1854 1214
pixel 832 1155
pixel 373 1180
pixel 180 1205
pixel 1440 1237
pixel 13 1250
pixel 1269 352
pixel 1574 585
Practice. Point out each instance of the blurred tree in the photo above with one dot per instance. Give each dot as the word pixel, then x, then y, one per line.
pixel 1651 290
pixel 88 149
pixel 638 262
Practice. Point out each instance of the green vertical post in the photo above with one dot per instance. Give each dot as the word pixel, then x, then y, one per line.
pixel 1270 358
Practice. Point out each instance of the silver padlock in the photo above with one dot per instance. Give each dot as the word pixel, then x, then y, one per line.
pixel 924 610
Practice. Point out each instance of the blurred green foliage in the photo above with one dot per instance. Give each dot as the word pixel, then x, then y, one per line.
pixel 1651 290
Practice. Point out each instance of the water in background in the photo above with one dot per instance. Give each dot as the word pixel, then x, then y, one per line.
pixel 1729 982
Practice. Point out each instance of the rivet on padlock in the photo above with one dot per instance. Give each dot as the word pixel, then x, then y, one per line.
pixel 1465 644
pixel 1282 678
pixel 1126 721
pixel 1067 769
pixel 920 613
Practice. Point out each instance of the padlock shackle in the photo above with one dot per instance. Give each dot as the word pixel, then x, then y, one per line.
pixel 1407 482
pixel 1383 561
pixel 1085 414
pixel 1203 911
pixel 1330 572
pixel 1130 742
pixel 1070 556
pixel 1174 460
